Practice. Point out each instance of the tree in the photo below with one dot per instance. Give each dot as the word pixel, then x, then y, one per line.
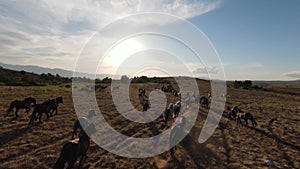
pixel 106 80
pixel 124 78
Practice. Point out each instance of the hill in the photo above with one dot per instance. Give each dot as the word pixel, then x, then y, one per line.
pixel 60 72
pixel 22 78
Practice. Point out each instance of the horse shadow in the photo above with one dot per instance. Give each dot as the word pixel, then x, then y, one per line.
pixel 222 127
pixel 11 135
pixel 203 156
pixel 276 138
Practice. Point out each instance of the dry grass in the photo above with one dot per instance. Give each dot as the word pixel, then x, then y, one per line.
pixel 230 146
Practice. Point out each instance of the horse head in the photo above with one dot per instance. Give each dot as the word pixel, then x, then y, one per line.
pixel 30 100
pixel 59 100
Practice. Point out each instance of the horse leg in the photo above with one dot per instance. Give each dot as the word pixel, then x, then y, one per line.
pixel 40 117
pixel 32 117
pixel 16 112
pixel 253 125
pixel 253 122
pixel 72 162
pixel 48 115
pixel 8 111
pixel 27 110
pixel 60 163
pixel 240 121
pixel 81 160
pixel 56 111
pixel 246 120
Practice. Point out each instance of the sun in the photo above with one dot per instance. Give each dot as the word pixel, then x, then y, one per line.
pixel 121 51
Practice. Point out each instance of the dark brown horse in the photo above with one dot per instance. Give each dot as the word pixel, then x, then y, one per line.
pixel 74 149
pixel 246 117
pixel 24 104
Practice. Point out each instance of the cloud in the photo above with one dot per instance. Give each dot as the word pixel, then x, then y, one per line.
pixel 56 30
pixel 205 70
pixel 292 74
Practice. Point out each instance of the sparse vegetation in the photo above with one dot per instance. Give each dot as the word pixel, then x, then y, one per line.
pixel 38 147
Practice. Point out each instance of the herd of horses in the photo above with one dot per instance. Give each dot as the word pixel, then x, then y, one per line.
pixel 170 89
pixel 172 111
pixel 74 149
pixel 71 150
pixel 48 107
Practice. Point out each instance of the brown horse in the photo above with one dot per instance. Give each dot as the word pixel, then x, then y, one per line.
pixel 74 149
pixel 24 104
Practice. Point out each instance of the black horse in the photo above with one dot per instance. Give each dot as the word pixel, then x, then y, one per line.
pixel 24 104
pixel 74 149
pixel 204 102
pixel 167 114
pixel 83 122
pixel 54 104
pixel 48 107
pixel 176 109
pixel 233 112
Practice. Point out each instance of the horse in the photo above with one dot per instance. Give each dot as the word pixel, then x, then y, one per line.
pixel 142 91
pixel 204 102
pixel 74 149
pixel 24 104
pixel 233 112
pixel 246 116
pixel 176 108
pixel 142 98
pixel 146 105
pixel 167 114
pixel 54 104
pixel 82 122
pixel 177 131
pixel 48 107
pixel 38 111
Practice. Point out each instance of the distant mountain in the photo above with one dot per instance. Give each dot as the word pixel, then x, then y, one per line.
pixel 61 72
pixel 277 83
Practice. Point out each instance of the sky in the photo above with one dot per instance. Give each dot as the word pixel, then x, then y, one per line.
pixel 256 40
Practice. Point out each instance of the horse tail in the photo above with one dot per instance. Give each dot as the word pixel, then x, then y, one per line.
pixel 11 107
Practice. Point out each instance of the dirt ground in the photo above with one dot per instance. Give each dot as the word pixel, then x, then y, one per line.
pixel 275 138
